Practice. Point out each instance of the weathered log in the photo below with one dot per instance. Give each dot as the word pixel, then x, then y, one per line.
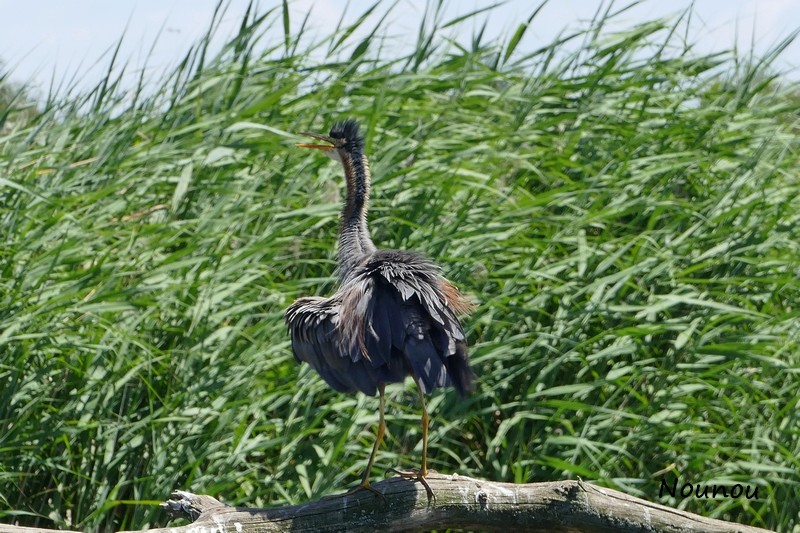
pixel 461 503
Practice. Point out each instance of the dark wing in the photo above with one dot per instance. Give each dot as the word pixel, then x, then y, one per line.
pixel 313 327
pixel 395 311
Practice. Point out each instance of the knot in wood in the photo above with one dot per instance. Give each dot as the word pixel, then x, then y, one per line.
pixel 482 499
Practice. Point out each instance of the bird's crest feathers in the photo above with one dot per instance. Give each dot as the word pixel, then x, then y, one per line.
pixel 347 131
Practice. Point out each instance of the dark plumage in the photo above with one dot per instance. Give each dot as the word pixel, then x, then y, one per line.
pixel 390 320
pixel 347 132
pixel 393 314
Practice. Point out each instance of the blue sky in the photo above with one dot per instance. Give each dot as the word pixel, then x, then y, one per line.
pixel 42 40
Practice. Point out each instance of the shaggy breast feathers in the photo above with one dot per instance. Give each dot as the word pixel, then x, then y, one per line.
pixel 395 316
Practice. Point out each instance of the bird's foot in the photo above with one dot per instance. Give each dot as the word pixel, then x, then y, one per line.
pixel 364 485
pixel 417 475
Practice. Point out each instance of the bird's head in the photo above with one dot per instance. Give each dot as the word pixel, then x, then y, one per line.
pixel 343 139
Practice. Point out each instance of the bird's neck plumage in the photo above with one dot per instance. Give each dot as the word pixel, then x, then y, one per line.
pixel 354 239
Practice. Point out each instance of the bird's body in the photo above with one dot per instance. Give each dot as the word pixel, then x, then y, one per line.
pixel 389 320
pixel 393 314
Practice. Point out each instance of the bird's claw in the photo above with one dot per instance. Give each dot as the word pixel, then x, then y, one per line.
pixel 364 485
pixel 417 475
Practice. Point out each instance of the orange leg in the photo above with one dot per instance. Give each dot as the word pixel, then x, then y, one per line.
pixel 364 485
pixel 419 475
pixel 425 420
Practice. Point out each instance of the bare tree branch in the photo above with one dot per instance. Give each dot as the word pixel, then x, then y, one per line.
pixel 461 503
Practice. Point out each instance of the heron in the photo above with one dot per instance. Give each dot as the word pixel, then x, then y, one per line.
pixel 393 314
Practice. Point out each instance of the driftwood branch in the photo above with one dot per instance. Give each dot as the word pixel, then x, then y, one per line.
pixel 461 503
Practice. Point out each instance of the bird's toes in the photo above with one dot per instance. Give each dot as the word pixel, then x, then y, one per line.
pixel 417 475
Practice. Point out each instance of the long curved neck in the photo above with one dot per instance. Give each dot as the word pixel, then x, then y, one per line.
pixel 354 239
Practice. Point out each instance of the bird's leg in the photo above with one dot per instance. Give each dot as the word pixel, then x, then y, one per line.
pixel 378 439
pixel 419 475
pixel 423 471
pixel 364 485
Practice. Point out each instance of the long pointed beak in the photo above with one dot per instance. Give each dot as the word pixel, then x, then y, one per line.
pixel 324 147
